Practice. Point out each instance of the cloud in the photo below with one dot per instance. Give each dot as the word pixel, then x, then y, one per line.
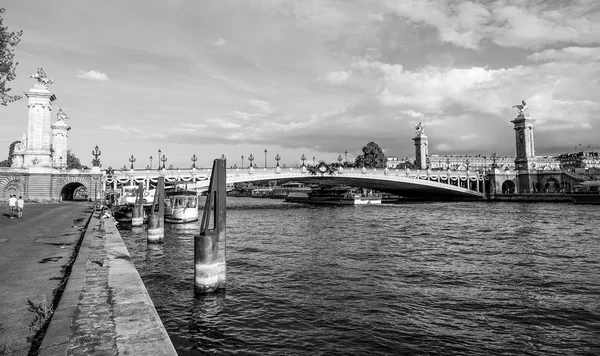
pixel 263 106
pixel 568 54
pixel 93 75
pixel 336 78
pixel 531 24
pixel 220 41
pixel 412 113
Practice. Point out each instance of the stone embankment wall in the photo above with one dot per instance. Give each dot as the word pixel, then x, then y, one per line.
pixel 105 308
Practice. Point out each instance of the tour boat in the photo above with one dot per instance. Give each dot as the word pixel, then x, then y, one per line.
pixel 181 206
pixel 336 197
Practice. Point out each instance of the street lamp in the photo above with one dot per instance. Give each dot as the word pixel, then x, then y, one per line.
pixel 242 161
pixel 163 159
pixel 150 162
pixel 340 160
pixel 96 153
pixel 194 159
pixel 277 158
pixel 251 158
pixel 265 158
pixel 131 159
pixel 346 152
pixel 448 163
pixel 159 157
pixel 314 161
pixel 303 158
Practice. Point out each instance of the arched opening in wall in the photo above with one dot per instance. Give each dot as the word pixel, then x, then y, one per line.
pixel 508 187
pixel 74 191
pixel 552 186
pixel 12 188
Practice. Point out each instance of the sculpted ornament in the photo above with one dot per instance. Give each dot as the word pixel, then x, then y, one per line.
pixel 41 77
pixel 61 116
pixel 523 108
pixel 20 146
pixel 420 128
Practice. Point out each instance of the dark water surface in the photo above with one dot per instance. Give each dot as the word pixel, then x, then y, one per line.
pixel 470 278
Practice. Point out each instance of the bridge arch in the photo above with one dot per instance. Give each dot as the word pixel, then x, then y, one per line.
pixel 508 187
pixel 552 185
pixel 70 187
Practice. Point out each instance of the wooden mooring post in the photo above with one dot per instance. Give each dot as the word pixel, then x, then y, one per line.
pixel 210 244
pixel 138 210
pixel 156 219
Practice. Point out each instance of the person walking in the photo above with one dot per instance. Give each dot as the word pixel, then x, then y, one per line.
pixel 12 205
pixel 20 205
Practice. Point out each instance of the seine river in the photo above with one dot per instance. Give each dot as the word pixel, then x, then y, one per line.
pixel 468 278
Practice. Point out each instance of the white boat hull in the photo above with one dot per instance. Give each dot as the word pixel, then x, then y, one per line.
pixel 181 215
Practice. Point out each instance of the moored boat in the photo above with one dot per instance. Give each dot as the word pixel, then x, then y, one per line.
pixel 336 196
pixel 181 206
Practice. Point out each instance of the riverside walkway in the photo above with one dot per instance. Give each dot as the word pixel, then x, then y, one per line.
pixel 104 308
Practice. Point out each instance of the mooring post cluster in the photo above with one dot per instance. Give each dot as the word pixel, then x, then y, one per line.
pixel 156 218
pixel 210 244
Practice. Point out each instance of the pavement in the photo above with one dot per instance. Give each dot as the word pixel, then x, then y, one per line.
pixel 33 253
pixel 104 308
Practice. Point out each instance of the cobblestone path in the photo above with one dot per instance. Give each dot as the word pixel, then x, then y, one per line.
pixel 93 328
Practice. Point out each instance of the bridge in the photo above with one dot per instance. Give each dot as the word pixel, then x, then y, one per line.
pixel 407 183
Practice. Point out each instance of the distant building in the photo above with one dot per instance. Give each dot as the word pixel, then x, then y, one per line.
pixel 580 160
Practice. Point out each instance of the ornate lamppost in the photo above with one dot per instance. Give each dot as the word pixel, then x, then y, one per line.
pixel 132 159
pixel 340 160
pixel 303 158
pixel 242 161
pixel 346 152
pixel 448 163
pixel 467 163
pixel 251 158
pixel 163 160
pixel 314 161
pixel 159 153
pixel 150 162
pixel 265 158
pixel 494 157
pixel 96 153
pixel 277 158
pixel 194 159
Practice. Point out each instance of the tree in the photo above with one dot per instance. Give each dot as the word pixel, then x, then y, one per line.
pixel 11 149
pixel 372 157
pixel 72 161
pixel 8 40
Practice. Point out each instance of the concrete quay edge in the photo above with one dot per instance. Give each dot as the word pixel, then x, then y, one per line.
pixel 138 327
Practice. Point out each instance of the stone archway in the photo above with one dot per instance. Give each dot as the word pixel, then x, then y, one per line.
pixel 73 191
pixel 552 186
pixel 508 187
pixel 14 187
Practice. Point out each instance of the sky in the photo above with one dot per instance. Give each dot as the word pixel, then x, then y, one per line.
pixel 300 77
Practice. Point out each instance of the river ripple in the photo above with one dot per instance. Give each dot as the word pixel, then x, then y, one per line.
pixel 468 278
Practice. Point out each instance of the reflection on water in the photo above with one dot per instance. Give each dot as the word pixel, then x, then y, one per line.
pixel 418 278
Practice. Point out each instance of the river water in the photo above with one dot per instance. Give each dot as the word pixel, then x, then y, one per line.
pixel 468 278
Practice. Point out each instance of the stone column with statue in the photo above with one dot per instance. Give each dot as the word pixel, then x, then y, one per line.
pixel 421 147
pixel 525 155
pixel 39 138
pixel 60 135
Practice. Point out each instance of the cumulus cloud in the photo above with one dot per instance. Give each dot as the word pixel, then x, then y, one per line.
pixel 93 75
pixel 412 113
pixel 336 78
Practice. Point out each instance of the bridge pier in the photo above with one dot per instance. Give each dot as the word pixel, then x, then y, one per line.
pixel 138 210
pixel 156 219
pixel 210 244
